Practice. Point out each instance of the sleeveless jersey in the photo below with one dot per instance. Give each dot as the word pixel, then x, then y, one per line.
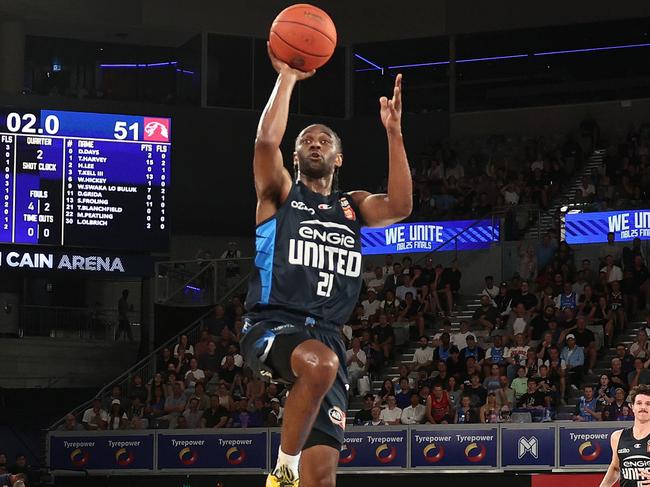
pixel 633 456
pixel 308 259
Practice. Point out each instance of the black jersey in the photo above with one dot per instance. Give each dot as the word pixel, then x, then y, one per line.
pixel 308 258
pixel 633 456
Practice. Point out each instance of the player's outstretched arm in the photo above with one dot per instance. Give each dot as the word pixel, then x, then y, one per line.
pixel 380 210
pixel 272 180
pixel 611 477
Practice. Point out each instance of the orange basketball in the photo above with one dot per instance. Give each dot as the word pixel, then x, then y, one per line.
pixel 303 36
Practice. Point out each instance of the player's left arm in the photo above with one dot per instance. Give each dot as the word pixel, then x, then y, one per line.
pixel 380 210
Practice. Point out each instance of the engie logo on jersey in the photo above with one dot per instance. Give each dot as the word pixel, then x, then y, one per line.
pixel 337 416
pixel 156 129
pixel 347 209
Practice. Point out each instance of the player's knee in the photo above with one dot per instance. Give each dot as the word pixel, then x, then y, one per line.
pixel 315 360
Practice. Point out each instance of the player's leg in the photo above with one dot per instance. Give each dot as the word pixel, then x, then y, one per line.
pixel 318 466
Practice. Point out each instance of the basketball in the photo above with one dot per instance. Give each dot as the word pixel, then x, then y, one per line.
pixel 303 36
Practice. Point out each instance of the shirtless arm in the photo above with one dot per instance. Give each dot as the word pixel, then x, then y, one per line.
pixel 611 477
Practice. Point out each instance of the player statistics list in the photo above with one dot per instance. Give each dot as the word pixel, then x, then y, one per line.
pixel 76 191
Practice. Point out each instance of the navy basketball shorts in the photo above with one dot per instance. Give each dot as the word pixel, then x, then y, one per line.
pixel 266 347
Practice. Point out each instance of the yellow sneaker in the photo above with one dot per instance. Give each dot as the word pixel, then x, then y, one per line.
pixel 282 476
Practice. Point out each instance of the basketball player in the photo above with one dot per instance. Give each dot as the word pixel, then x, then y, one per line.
pixel 631 446
pixel 308 276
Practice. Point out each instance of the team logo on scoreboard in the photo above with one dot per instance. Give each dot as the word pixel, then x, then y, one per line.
pixel 156 129
pixel 235 456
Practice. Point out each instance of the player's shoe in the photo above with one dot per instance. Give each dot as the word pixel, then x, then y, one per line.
pixel 282 476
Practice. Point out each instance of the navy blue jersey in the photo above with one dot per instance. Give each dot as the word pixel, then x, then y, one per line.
pixel 308 259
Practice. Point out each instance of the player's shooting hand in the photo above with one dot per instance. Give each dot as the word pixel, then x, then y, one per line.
pixel 283 68
pixel 391 110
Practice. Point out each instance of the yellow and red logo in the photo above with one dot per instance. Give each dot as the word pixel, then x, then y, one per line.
pixel 475 452
pixel 123 457
pixel 187 456
pixel 235 456
pixel 589 451
pixel 433 453
pixel 385 453
pixel 347 455
pixel 79 457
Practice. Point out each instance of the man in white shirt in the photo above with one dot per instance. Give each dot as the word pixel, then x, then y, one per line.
pixel 95 418
pixel 460 339
pixel 490 289
pixel 413 414
pixel 406 287
pixel 370 305
pixel 193 375
pixel 613 272
pixel 423 356
pixel 377 283
pixel 391 414
pixel 355 358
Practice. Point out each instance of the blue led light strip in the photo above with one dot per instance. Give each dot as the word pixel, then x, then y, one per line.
pixel 499 58
pixel 147 65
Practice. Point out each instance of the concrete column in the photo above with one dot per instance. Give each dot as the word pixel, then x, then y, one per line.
pixel 12 56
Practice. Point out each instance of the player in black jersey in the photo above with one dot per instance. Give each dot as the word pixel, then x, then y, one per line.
pixel 308 275
pixel 631 446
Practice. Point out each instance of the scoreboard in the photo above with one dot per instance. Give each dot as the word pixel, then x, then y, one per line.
pixel 80 179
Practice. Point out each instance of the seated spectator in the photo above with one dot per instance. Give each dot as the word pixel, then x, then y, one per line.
pixel 406 287
pixel 505 396
pixel 627 359
pixel 485 316
pixel 438 406
pixel 490 290
pixel 574 358
pixel 403 397
pixel 454 364
pixel 503 301
pixel 443 349
pixel 390 305
pixel 585 339
pixel 465 413
pixel 527 262
pixel 617 376
pixel 517 355
pixel 370 305
pixel 475 390
pixel 117 418
pixel 588 407
pixel 183 344
pixel 375 420
pixel 611 270
pixel 423 356
pixel 533 398
pixel 556 370
pixel 525 297
pixel 136 415
pixel 240 417
pixel 520 383
pixel 619 409
pixel 137 389
pixel 497 354
pixel 192 414
pixel 490 412
pixel 193 375
pixel 492 381
pixel 391 414
pixel 356 360
pixel 641 346
pixel 95 418
pixel 605 391
pixel 568 298
pixel 216 416
pixel 229 370
pixel 276 414
pixel 174 405
pixel 544 347
pixel 116 393
pixel 202 345
pixel 460 338
pixel 155 407
pixel 518 322
pixel 377 282
pixel 70 424
pixel 384 336
pixel 364 415
pixel 472 350
pixel 549 384
pixel 640 375
pixel 414 412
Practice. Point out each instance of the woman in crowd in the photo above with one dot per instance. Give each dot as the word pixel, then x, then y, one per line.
pixel 489 412
pixel 183 343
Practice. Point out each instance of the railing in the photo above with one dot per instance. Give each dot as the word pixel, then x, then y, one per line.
pixel 146 368
pixel 71 322
pixel 197 282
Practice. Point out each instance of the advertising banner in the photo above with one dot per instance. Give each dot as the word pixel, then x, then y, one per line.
pixel 454 448
pixel 235 451
pixel 585 447
pixel 95 452
pixel 427 236
pixel 528 448
pixel 585 228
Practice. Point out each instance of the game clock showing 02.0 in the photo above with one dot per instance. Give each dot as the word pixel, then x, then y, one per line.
pixel 84 179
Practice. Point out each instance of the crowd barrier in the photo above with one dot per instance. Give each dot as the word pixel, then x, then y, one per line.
pixel 400 449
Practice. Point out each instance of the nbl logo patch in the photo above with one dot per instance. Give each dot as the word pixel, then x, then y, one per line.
pixel 337 416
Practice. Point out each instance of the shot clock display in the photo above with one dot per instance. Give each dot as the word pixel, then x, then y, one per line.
pixel 84 179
